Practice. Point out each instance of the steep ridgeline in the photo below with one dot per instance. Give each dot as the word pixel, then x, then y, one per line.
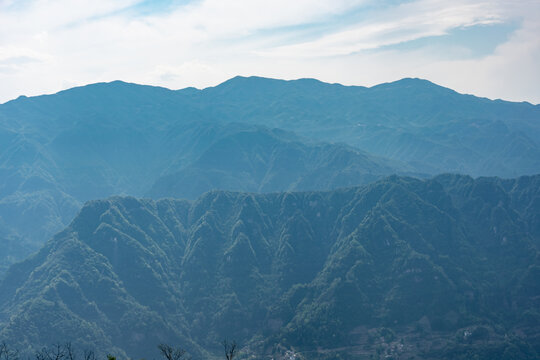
pixel 261 160
pixel 58 151
pixel 434 128
pixel 446 268
pixel 44 184
pixel 431 127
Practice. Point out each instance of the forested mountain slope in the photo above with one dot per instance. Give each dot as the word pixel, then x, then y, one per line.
pixel 247 134
pixel 429 269
pixel 45 182
pixel 412 120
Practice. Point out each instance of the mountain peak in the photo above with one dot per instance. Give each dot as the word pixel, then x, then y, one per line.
pixel 248 81
pixel 409 82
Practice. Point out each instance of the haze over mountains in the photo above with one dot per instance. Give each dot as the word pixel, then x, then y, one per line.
pixel 443 268
pixel 58 151
pixel 399 261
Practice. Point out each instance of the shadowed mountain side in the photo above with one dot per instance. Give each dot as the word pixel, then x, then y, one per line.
pixel 45 184
pixel 126 139
pixel 412 120
pixel 421 264
pixel 261 160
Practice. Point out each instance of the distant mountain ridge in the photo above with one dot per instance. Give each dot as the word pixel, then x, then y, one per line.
pixel 410 115
pixel 46 182
pixel 262 160
pixel 58 151
pixel 410 120
pixel 445 268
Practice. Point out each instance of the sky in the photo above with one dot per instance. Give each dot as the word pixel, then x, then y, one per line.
pixel 486 48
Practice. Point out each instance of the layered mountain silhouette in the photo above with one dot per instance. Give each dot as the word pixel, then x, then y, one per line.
pixel 432 269
pixel 247 134
pixel 46 185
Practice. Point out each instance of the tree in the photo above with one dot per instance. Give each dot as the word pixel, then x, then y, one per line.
pixel 230 349
pixel 55 352
pixel 89 355
pixel 70 353
pixel 63 352
pixel 171 353
pixel 7 354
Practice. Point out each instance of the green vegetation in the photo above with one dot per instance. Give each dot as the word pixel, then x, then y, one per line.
pixel 247 134
pixel 402 268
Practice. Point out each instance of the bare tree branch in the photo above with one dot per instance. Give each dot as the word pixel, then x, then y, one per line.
pixel 7 354
pixel 171 353
pixel 89 355
pixel 55 352
pixel 70 353
pixel 230 349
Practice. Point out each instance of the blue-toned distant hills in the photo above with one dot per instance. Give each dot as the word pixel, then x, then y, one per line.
pixel 247 134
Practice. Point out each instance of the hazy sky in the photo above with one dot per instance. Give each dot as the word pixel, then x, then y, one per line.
pixel 487 48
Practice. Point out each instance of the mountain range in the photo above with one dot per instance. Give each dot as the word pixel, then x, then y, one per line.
pixel 443 268
pixel 247 134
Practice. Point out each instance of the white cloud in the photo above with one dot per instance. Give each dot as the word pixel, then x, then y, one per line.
pixel 220 19
pixel 511 72
pixel 11 54
pixel 50 43
pixel 407 22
